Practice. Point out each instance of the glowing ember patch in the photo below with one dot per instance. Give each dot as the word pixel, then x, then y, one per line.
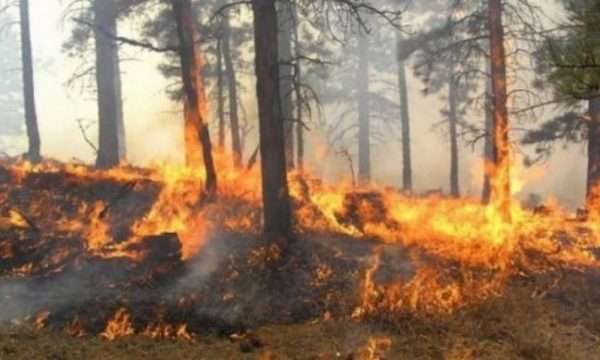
pixel 40 319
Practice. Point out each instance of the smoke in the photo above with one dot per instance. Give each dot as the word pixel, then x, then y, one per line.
pixel 22 298
pixel 153 124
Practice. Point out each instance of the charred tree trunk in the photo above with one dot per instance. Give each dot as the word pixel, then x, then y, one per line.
pixel 33 132
pixel 593 177
pixel 111 130
pixel 452 126
pixel 364 126
pixel 501 193
pixel 276 203
pixel 220 94
pixel 236 144
pixel 193 88
pixel 407 183
pixel 285 26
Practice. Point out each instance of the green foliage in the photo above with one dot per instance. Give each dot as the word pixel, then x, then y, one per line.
pixel 567 127
pixel 569 62
pixel 574 57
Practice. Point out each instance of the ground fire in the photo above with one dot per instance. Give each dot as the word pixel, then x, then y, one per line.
pixel 152 257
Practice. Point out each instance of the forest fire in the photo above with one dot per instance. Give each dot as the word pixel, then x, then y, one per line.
pixel 432 255
pixel 221 251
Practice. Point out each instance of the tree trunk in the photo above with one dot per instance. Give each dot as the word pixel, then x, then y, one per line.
pixel 407 183
pixel 233 97
pixel 364 145
pixel 276 204
pixel 593 177
pixel 111 130
pixel 220 94
pixel 193 148
pixel 299 98
pixel 285 29
pixel 452 125
pixel 122 138
pixel 501 193
pixel 488 145
pixel 299 139
pixel 195 97
pixel 33 133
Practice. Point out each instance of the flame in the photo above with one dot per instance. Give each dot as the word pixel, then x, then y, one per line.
pixel 16 219
pixel 376 348
pixel 461 251
pixel 167 331
pixel 40 319
pixel 118 326
pixel 75 328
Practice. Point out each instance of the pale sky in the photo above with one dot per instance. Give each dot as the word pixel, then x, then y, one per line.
pixel 154 128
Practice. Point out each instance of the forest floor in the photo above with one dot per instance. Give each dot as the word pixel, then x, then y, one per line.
pixel 562 324
pixel 514 326
pixel 233 310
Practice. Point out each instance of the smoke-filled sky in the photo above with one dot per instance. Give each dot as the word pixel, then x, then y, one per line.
pixel 153 123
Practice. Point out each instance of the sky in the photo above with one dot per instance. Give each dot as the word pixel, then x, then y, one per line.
pixel 153 123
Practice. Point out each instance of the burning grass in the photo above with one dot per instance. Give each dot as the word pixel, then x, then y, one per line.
pixel 141 252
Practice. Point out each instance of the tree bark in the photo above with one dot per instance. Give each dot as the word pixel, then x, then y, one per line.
pixel 407 182
pixel 364 145
pixel 285 29
pixel 276 204
pixel 593 177
pixel 236 146
pixel 501 193
pixel 31 123
pixel 300 119
pixel 452 125
pixel 299 98
pixel 111 130
pixel 488 145
pixel 220 94
pixel 195 97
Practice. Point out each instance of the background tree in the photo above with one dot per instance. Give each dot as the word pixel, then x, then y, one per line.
pixel 224 36
pixel 407 175
pixel 232 86
pixel 446 63
pixel 364 121
pixel 111 128
pixel 31 122
pixel 569 60
pixel 285 28
pixel 473 32
pixel 358 90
